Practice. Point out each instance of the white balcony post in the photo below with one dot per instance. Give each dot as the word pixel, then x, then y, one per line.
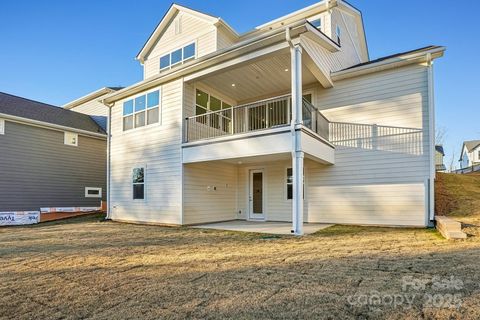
pixel 297 154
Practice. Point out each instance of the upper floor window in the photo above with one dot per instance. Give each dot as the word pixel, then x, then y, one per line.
pixel 141 111
pixel 338 33
pixel 177 57
pixel 2 126
pixel 317 23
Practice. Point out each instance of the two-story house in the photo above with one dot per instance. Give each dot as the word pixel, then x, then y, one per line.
pixel 470 154
pixel 288 122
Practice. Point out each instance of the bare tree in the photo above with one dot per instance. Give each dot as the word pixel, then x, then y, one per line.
pixel 440 135
pixel 453 166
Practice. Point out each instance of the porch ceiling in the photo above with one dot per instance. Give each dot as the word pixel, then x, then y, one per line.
pixel 262 78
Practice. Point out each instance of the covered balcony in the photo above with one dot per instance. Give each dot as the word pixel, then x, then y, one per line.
pixel 247 110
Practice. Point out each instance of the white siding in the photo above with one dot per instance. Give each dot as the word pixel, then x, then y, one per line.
pixel 277 207
pixel 210 191
pixel 192 29
pixel 92 108
pixel 159 148
pixel 382 185
pixel 348 55
pixel 224 38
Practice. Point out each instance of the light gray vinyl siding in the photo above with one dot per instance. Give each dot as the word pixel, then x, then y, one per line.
pixel 385 184
pixel 210 191
pixel 92 107
pixel 156 147
pixel 38 170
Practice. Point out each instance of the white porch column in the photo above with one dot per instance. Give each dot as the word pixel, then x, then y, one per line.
pixel 297 154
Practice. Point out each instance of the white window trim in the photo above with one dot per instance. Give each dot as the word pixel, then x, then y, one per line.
pixel 2 126
pixel 146 109
pixel 144 166
pixel 183 61
pixel 285 184
pixel 65 139
pixel 87 195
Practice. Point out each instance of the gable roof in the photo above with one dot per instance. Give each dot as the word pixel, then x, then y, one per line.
pixel 19 107
pixel 165 21
pixel 93 95
pixel 439 148
pixel 472 144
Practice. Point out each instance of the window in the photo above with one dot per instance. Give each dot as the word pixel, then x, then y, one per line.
pixel 317 23
pixel 207 103
pixel 290 184
pixel 165 62
pixel 70 139
pixel 93 192
pixel 2 126
pixel 338 33
pixel 138 180
pixel 141 111
pixel 177 57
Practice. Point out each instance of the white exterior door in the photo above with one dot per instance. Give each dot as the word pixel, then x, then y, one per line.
pixel 256 195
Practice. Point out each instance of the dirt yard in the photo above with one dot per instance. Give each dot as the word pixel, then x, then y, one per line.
pixel 84 268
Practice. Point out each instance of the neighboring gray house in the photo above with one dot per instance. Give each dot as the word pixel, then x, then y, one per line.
pixel 50 158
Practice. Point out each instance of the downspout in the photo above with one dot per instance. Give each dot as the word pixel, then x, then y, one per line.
pixel 297 156
pixel 109 128
pixel 431 113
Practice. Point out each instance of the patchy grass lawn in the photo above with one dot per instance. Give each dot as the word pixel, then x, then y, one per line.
pixel 83 268
pixel 457 195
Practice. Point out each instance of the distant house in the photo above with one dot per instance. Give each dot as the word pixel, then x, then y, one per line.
pixel 51 158
pixel 470 155
pixel 91 105
pixel 439 155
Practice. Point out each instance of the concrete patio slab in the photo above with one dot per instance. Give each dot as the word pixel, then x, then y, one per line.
pixel 262 227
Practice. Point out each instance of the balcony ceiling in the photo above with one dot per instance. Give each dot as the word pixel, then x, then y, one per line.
pixel 261 79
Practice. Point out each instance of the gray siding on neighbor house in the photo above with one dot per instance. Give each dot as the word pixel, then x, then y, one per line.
pixel 38 170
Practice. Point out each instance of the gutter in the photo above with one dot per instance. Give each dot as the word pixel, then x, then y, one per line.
pixel 88 97
pixel 389 64
pixel 48 125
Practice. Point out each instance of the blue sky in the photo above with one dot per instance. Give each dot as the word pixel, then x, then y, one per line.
pixel 55 51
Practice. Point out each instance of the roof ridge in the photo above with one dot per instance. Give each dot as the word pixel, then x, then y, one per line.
pixel 23 98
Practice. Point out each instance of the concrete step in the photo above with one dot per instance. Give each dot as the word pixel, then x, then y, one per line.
pixel 449 228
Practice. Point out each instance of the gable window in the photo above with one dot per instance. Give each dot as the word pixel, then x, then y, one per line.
pixel 207 103
pixel 138 182
pixel 338 33
pixel 317 23
pixel 141 111
pixel 2 126
pixel 177 57
pixel 70 139
pixel 290 184
pixel 93 192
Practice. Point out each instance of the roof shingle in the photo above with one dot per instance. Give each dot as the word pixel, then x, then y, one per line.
pixel 34 110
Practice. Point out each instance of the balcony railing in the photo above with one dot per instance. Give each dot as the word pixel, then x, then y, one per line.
pixel 260 115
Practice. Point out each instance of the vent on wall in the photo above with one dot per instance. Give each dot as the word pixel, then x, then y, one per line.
pixel 178 25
